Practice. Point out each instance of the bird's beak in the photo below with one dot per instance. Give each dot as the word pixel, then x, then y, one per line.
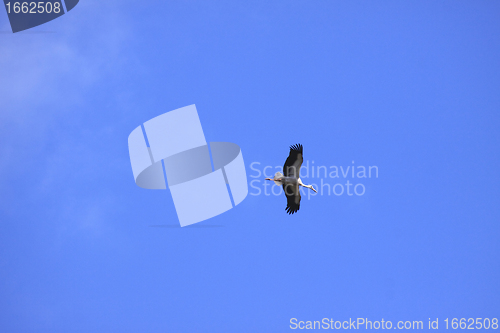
pixel 268 179
pixel 312 188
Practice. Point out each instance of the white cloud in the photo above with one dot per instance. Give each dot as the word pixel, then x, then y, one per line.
pixel 45 81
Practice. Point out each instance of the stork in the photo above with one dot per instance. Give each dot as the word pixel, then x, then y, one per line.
pixel 290 180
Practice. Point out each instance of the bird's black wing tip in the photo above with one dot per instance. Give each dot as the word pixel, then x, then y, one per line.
pixel 297 147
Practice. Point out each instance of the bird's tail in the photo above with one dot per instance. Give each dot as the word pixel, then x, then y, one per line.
pixel 278 175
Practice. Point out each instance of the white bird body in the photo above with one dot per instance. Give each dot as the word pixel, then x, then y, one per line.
pixel 279 179
pixel 290 180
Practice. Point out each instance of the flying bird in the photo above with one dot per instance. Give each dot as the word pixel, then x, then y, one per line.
pixel 290 179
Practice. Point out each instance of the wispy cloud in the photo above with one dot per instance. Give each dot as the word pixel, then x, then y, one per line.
pixel 35 68
pixel 45 84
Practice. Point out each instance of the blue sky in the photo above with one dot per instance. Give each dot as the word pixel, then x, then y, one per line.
pixel 410 87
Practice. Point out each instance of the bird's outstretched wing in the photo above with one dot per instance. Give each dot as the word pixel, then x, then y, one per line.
pixel 293 162
pixel 292 193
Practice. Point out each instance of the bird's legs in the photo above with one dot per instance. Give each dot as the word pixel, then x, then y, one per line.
pixel 309 186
